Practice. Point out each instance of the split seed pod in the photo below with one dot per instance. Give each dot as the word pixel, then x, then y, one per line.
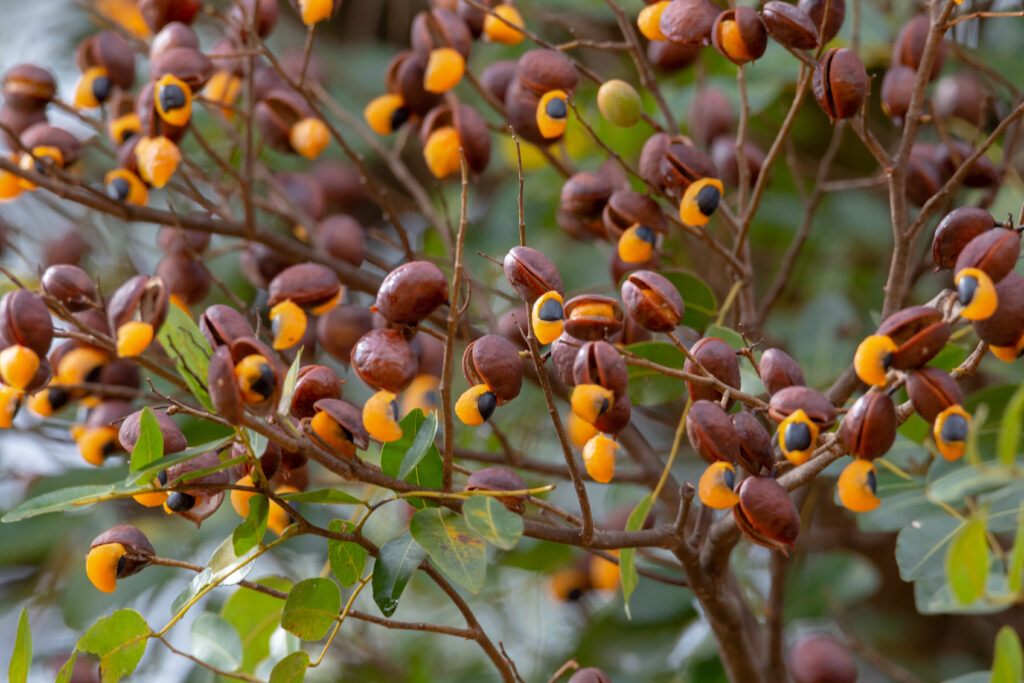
pixel 919 333
pixel 840 83
pixel 598 362
pixel 494 361
pixel 653 301
pixel 789 25
pixel 766 514
pixel 689 22
pixel 136 311
pixel 869 430
pixel 739 35
pixel 755 452
pixel 531 273
pixel 383 359
pixel 711 432
pixel 589 317
pixel 818 408
pixel 931 391
pixel 719 359
pixel 115 554
pixel 339 425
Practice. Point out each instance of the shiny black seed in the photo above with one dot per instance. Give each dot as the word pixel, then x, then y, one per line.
pixel 966 288
pixel 93 376
pixel 556 108
pixel 172 97
pixel 707 199
pixel 797 436
pixel 394 410
pixel 605 405
pixel 58 399
pixel 180 502
pixel 729 478
pixel 872 483
pixel 109 448
pixel 101 88
pixel 646 233
pixel 575 594
pixel 161 477
pixel 551 310
pixel 118 189
pixel 486 404
pixel 121 565
pixel 954 428
pixel 400 116
pixel 266 382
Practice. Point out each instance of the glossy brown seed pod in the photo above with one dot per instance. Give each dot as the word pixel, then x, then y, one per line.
pixel 563 357
pixel 581 202
pixel 752 35
pixel 28 87
pixel 590 674
pixel 766 514
pixel 589 317
pixel 185 63
pixel 186 278
pixel 276 113
pixel 923 179
pixel 789 25
pixel 159 13
pixel 955 231
pixel 964 97
pixel 314 383
pixel 222 324
pixel 540 71
pixel 70 285
pixel 811 401
pixel 206 500
pixel 995 252
pixel 496 76
pixel 338 330
pixel 919 332
pixel 652 301
pixel 897 88
pixel 779 370
pixel 650 158
pixel 494 361
pixel 17 121
pixel 383 359
pixel 112 52
pixel 440 28
pixel 348 416
pixel 223 388
pixel 139 552
pixel 598 362
pixel 521 112
pixel 531 273
pixel 405 77
pixel 840 83
pixel 474 135
pixel 142 297
pixel 45 135
pixel 689 22
pixel 261 14
pixel 869 430
pixel 932 390
pixel 1006 325
pixel 815 9
pixel 820 659
pixel 711 117
pixel 25 320
pixel 719 359
pixel 683 164
pixel 755 452
pixel 723 154
pixel 499 479
pixel 131 429
pixel 670 57
pixel 711 432
pixel 176 34
pixel 909 46
pixel 343 238
pixel 981 173
pixel 411 292
pixel 617 418
pixel 307 284
pixel 626 208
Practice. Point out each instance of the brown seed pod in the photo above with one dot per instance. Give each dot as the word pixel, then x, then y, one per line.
pixel 723 154
pixel 120 373
pixel 670 57
pixel 909 46
pixel 71 285
pixel 919 332
pixel 1005 326
pixel 818 408
pixel 499 479
pixel 964 97
pixel 307 284
pixel 897 88
pixel 270 460
pixel 820 659
pixel 343 190
pixel 540 71
pixel 689 22
pixel 995 252
pixel 201 502
pixel 932 390
pixel 343 238
pixel 429 353
pixel 17 122
pixel 303 192
pixel 25 320
pixel 496 77
pixel 45 135
pixel 139 552
pixel 531 273
pixel 766 514
pixel 581 202
pixel 149 122
pixel 383 359
pixel 314 383
pixel 626 208
pixel 719 359
pixel 175 240
pixel 441 28
pixel 185 63
pixel 755 452
pixel 405 77
pixel 563 357
pixel 159 13
pixel 521 112
pixel 338 330
pixel 411 292
pixel 474 135
pixel 923 179
pixel 494 361
pixel 131 429
pixel 617 418
pixel 222 324
pixel 739 35
pixel 840 83
pixel 589 317
pixel 779 370
pixel 981 173
pixel 510 324
pixel 142 297
pixel 112 52
pixel 652 301
pixel 224 393
pixel 590 674
pixel 815 9
pixel 789 25
pixel 276 113
pixel 598 362
pixel 869 430
pixel 955 231
pixel 186 278
pixel 262 14
pixel 177 34
pixel 348 416
pixel 711 432
pixel 28 88
pixel 683 164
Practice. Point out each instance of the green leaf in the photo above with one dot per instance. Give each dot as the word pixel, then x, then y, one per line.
pixel 250 532
pixel 967 562
pixel 150 446
pixel 729 336
pixel 255 615
pixel 69 499
pixel 420 445
pixel 1016 569
pixel 149 473
pixel 428 470
pixel 291 669
pixel 347 558
pixel 21 658
pixel 119 641
pixel 396 562
pixel 225 568
pixel 494 522
pixel 698 297
pixel 1009 433
pixel 66 671
pixel 324 496
pixel 184 342
pixel 627 556
pixel 216 642
pixel 647 386
pixel 311 608
pixel 284 405
pixel 452 546
pixel 1008 662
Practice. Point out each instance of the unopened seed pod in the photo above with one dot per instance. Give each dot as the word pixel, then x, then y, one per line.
pixel 619 103
pixel 496 77
pixel 411 292
pixel 869 430
pixel 541 71
pixel 840 83
pixel 343 238
pixel 339 329
pixel 897 88
pixel 158 13
pixel 71 285
pixel 494 361
pixel 581 204
pixel 981 173
pixel 789 25
pixel 755 452
pixel 819 658
pixel 815 9
pixel 908 49
pixel 964 97
pixel 711 432
pixel 131 429
pixel 779 370
pixel 689 22
pixel 766 514
pixel 719 359
pixel 955 231
pixel 383 359
pixel 671 57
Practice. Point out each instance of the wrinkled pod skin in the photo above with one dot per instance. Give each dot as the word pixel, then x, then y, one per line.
pixel 766 514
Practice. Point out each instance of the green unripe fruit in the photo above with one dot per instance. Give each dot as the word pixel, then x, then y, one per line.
pixel 619 103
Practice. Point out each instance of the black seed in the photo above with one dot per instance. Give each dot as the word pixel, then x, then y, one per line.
pixel 101 88
pixel 118 189
pixel 172 97
pixel 394 410
pixel 161 477
pixel 266 382
pixel 966 288
pixel 646 234
pixel 398 117
pixel 432 397
pixel 574 595
pixel 40 166
pixel 797 436
pixel 93 375
pixel 58 399
pixel 127 133
pixel 347 433
pixel 954 428
pixel 729 478
pixel 109 448
pixel 707 199
pixel 120 565
pixel 486 404
pixel 872 483
pixel 605 405
pixel 551 310
pixel 556 108
pixel 180 502
pixel 887 360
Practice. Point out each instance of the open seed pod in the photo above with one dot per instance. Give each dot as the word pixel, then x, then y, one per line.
pixel 840 83
pixel 223 387
pixel 720 360
pixel 563 357
pixel 45 135
pixel 192 501
pixel 71 285
pixel 869 430
pixel 494 361
pixel 384 360
pixel 531 273
pixel 411 292
pixel 766 514
pixel 617 418
pixel 111 52
pixel 473 134
pixel 308 285
pixel 739 35
pixel 136 311
pixel 626 208
pixel 28 88
pixel 521 112
pixel 339 425
pixel 338 330
pixel 789 25
pixel 908 49
pixel 955 231
pixel 815 9
pixel 117 553
pixel 404 77
pixel 131 428
pixel 541 71
pixel 779 370
pixel 499 479
pixel 17 122
pixel 994 252
pixel 598 362
pixel 314 383
pixel 683 164
pixel 652 301
pixel 932 390
pixel 711 432
pixel 186 278
pixel 440 28
pixel 1004 329
pixel 25 320
pixel 589 317
pixel 818 408
pixel 689 22
pixel 919 333
pixel 222 324
pixel 755 452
